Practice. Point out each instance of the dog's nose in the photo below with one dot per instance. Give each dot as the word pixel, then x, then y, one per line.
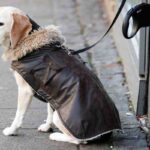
pixel 1 23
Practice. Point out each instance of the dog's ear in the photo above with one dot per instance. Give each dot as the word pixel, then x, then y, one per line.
pixel 21 27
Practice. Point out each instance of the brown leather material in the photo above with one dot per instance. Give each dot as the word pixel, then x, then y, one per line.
pixel 72 89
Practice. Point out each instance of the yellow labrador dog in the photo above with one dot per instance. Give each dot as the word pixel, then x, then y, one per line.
pixel 9 32
pixel 82 117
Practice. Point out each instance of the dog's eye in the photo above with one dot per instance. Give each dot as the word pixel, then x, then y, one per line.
pixel 1 23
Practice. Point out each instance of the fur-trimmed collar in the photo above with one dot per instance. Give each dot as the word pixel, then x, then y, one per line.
pixel 35 40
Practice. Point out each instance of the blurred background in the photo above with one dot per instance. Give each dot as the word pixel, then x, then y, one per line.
pixel 115 61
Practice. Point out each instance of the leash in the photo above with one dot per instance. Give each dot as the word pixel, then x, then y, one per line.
pixel 111 25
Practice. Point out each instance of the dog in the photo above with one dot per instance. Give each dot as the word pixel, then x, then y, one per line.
pixel 77 103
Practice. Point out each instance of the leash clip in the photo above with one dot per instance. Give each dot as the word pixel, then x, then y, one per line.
pixel 69 53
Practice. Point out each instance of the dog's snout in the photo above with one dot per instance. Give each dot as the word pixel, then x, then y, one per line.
pixel 1 23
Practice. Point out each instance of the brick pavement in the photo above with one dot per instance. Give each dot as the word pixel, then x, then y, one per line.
pixel 82 23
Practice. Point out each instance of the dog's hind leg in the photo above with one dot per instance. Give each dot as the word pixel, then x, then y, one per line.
pixel 46 126
pixel 25 94
pixel 65 136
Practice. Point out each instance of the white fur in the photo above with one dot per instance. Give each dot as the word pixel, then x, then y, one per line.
pixel 25 92
pixel 46 126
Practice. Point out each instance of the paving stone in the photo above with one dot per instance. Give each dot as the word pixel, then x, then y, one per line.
pixel 31 140
pixel 130 148
pixel 95 147
pixel 33 118
pixel 127 140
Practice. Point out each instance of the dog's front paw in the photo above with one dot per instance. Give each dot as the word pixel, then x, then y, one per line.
pixel 44 127
pixel 9 131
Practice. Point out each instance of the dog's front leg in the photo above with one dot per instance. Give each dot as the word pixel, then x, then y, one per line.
pixel 46 126
pixel 25 94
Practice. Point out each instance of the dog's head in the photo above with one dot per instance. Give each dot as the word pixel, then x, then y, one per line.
pixel 14 26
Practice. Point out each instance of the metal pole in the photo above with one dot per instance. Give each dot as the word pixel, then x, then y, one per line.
pixel 148 48
pixel 142 106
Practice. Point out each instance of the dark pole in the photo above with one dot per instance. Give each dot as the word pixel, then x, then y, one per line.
pixel 143 97
pixel 148 48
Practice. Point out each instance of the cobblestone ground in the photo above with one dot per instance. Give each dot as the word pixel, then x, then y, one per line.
pixel 82 23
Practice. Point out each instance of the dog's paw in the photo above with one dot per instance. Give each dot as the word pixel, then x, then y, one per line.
pixel 44 127
pixel 9 131
pixel 55 136
pixel 63 138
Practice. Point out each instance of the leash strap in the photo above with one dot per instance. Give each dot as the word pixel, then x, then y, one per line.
pixel 91 46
